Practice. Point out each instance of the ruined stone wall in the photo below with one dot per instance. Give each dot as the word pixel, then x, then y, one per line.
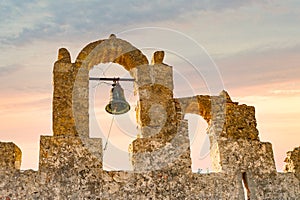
pixel 225 118
pixel 235 145
pixel 70 163
pixel 85 180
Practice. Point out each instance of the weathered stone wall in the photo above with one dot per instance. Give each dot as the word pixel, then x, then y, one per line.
pixel 70 164
pixel 83 182
pixel 226 119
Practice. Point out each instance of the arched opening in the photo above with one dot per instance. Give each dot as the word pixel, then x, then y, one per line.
pixel 111 51
pixel 116 131
pixel 199 144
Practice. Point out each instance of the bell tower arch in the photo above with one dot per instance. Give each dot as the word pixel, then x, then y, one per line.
pixel 164 134
pixel 71 81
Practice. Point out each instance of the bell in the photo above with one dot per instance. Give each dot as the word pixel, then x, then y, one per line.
pixel 117 104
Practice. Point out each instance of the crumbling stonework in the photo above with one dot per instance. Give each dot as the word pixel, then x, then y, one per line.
pixel 70 164
pixel 11 156
pixel 293 162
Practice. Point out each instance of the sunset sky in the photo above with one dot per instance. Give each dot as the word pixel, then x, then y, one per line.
pixel 251 48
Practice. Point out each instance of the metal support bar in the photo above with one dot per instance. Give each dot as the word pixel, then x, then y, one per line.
pixel 111 79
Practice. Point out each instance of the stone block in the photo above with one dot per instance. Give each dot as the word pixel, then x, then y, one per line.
pixel 236 156
pixel 60 153
pixel 159 74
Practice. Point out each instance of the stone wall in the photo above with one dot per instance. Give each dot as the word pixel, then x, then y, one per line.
pixel 70 163
pixel 80 181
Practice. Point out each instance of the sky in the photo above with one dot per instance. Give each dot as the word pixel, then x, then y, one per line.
pixel 249 48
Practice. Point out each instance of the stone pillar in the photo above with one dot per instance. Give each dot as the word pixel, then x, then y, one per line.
pixel 63 83
pixel 69 151
pixel 154 86
pixel 164 138
pixel 70 97
pixel 11 156
pixel 80 102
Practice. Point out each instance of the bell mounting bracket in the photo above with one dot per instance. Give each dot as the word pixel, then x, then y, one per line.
pixel 115 79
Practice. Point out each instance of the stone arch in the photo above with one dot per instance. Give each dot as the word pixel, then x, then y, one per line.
pixel 110 50
pixel 198 107
pixel 199 143
pixel 212 108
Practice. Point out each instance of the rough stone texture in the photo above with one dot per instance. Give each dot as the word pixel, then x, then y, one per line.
pixel 162 151
pixel 110 50
pixel 63 83
pixel 292 162
pixel 242 155
pixel 11 156
pixel 70 164
pixel 158 57
pixel 225 118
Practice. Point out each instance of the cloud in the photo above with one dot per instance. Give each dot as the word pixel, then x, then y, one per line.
pixel 19 16
pixel 28 20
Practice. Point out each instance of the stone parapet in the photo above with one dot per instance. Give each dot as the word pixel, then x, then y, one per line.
pixel 160 185
pixel 237 156
pixel 163 150
pixel 62 152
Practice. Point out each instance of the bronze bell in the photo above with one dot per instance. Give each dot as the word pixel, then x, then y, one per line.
pixel 117 104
